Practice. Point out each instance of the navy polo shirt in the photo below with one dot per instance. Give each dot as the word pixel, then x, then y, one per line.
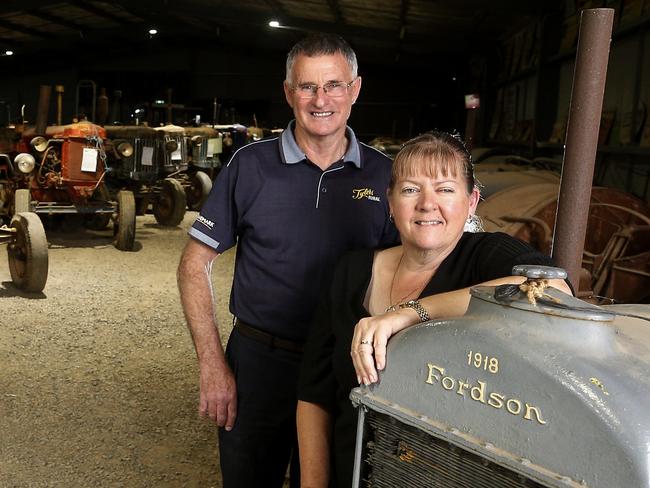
pixel 291 222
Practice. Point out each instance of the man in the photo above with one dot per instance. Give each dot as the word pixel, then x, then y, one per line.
pixel 293 205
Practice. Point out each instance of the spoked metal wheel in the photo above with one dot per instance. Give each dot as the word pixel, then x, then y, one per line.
pixel 28 257
pixel 124 223
pixel 169 207
pixel 198 191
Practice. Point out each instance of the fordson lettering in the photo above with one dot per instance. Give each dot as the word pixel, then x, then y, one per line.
pixel 479 393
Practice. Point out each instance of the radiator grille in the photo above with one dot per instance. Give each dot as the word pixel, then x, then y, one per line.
pixel 145 161
pixel 201 156
pixel 398 455
pixel 176 160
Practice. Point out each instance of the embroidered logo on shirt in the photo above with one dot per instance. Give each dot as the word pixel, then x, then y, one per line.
pixel 208 223
pixel 369 193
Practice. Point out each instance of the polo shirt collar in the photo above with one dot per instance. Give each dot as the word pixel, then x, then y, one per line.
pixel 292 154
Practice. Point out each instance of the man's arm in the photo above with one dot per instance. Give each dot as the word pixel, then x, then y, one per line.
pixel 218 396
pixel 314 439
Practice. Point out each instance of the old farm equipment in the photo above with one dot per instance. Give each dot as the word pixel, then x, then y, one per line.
pixel 142 160
pixel 495 172
pixel 521 200
pixel 132 157
pixel 205 146
pixel 512 394
pixel 23 232
pixel 616 256
pixel 170 205
pixel 26 250
pixel 547 391
pixel 68 178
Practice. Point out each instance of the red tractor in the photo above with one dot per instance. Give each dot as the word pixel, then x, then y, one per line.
pixel 23 232
pixel 63 172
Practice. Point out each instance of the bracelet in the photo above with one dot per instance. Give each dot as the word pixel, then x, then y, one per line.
pixel 419 309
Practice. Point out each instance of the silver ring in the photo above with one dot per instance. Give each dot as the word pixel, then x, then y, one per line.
pixel 364 342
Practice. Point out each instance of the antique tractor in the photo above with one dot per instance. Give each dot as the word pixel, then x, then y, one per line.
pixel 63 172
pixel 616 255
pixel 140 159
pixel 550 392
pixel 26 250
pixel 190 152
pixel 174 162
pixel 205 144
pixel 23 232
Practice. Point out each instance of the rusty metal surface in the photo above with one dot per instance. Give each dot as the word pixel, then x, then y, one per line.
pixel 402 455
pixel 582 138
pixel 43 109
pixel 201 131
pixel 130 131
pixel 583 382
pixel 616 254
pixel 502 177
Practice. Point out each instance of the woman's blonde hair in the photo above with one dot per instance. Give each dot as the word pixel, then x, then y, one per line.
pixel 433 153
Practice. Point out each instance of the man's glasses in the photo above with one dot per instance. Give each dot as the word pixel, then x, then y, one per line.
pixel 333 89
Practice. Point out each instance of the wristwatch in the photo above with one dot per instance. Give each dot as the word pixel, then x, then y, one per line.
pixel 419 309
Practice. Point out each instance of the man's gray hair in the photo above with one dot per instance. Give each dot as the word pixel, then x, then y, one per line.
pixel 320 45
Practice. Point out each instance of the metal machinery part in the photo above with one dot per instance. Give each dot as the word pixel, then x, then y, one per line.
pixel 68 175
pixel 20 229
pixel 135 153
pixel 175 157
pixel 170 203
pixel 616 258
pixel 495 170
pixel 26 251
pixel 205 146
pixel 171 194
pixel 134 158
pixel 141 160
pixel 512 394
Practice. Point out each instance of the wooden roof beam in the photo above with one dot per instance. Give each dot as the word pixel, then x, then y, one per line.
pixel 16 6
pixel 277 8
pixel 10 25
pixel 336 11
pixel 55 19
pixel 83 5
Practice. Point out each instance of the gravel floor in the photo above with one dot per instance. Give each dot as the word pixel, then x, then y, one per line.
pixel 98 378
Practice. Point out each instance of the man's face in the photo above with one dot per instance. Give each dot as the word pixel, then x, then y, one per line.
pixel 321 115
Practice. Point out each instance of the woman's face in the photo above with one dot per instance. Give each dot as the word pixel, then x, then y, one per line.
pixel 430 212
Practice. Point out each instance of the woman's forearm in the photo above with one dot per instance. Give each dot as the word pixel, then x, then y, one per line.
pixel 371 334
pixel 314 425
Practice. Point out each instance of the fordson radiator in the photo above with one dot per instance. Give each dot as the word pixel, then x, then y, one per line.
pixel 555 394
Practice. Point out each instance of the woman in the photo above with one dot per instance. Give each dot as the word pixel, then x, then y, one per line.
pixel 432 196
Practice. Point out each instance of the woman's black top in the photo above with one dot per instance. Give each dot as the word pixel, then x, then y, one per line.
pixel 327 374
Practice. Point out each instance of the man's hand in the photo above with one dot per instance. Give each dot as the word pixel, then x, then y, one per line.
pixel 218 397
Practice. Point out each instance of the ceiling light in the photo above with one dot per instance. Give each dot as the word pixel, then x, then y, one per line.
pixel 9 52
pixel 274 23
pixel 153 32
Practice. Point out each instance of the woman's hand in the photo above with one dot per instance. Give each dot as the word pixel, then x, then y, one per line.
pixel 371 335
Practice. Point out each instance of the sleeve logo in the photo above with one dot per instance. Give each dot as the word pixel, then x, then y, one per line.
pixel 208 223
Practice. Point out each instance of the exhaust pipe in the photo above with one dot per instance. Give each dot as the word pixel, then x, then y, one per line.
pixel 43 109
pixel 582 140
